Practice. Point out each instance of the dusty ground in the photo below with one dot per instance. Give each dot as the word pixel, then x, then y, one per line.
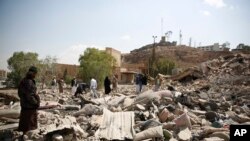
pixel 199 104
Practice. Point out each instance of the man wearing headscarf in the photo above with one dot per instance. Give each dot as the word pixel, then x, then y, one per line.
pixel 29 101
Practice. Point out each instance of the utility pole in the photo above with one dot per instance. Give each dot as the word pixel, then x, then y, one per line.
pixel 153 56
pixel 161 26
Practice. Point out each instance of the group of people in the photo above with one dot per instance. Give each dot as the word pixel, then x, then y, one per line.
pixel 107 85
pixel 141 81
pixel 54 83
pixel 78 88
pixel 30 100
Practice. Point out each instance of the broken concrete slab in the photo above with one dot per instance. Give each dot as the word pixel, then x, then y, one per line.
pixel 89 110
pixel 184 134
pixel 183 121
pixel 10 113
pixel 222 135
pixel 9 126
pixel 213 139
pixel 163 116
pixel 149 133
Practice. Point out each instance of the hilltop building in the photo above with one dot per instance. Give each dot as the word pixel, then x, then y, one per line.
pixel 214 47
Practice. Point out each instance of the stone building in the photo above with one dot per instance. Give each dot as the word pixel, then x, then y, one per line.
pixel 125 71
pixel 3 74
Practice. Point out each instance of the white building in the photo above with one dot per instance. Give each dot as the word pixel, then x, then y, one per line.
pixel 214 47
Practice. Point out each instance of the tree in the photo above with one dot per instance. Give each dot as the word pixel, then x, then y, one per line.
pixel 164 66
pixel 65 73
pixel 67 79
pixel 46 69
pixel 19 64
pixel 246 48
pixel 97 64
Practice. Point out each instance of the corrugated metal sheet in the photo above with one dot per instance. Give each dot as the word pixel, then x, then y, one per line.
pixel 116 126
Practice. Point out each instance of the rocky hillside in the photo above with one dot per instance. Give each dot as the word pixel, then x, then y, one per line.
pixel 183 56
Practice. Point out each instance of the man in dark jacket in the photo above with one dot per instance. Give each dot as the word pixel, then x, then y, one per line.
pixel 29 100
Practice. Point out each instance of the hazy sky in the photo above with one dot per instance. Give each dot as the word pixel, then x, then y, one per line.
pixel 64 28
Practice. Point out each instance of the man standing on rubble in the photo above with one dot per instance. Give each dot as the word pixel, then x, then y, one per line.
pixel 93 86
pixel 138 82
pixel 60 85
pixel 73 85
pixel 114 83
pixel 157 82
pixel 29 101
pixel 53 84
pixel 144 81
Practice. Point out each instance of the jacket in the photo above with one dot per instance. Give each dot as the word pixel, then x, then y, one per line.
pixel 27 94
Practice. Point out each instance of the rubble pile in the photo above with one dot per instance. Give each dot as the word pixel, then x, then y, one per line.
pixel 197 104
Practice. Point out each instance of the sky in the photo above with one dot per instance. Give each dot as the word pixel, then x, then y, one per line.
pixel 65 28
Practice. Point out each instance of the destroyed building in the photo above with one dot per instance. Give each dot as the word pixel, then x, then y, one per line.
pixel 198 104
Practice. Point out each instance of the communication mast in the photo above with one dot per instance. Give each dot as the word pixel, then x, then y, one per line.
pixel 161 26
pixel 190 41
pixel 180 36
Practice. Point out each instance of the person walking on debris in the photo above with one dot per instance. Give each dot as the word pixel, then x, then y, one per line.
pixel 53 84
pixel 60 84
pixel 114 83
pixel 73 85
pixel 107 84
pixel 138 82
pixel 29 101
pixel 157 82
pixel 93 87
pixel 144 81
pixel 42 83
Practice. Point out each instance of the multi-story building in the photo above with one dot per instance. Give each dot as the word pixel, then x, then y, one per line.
pixel 214 47
pixel 125 71
pixel 3 74
pixel 129 70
